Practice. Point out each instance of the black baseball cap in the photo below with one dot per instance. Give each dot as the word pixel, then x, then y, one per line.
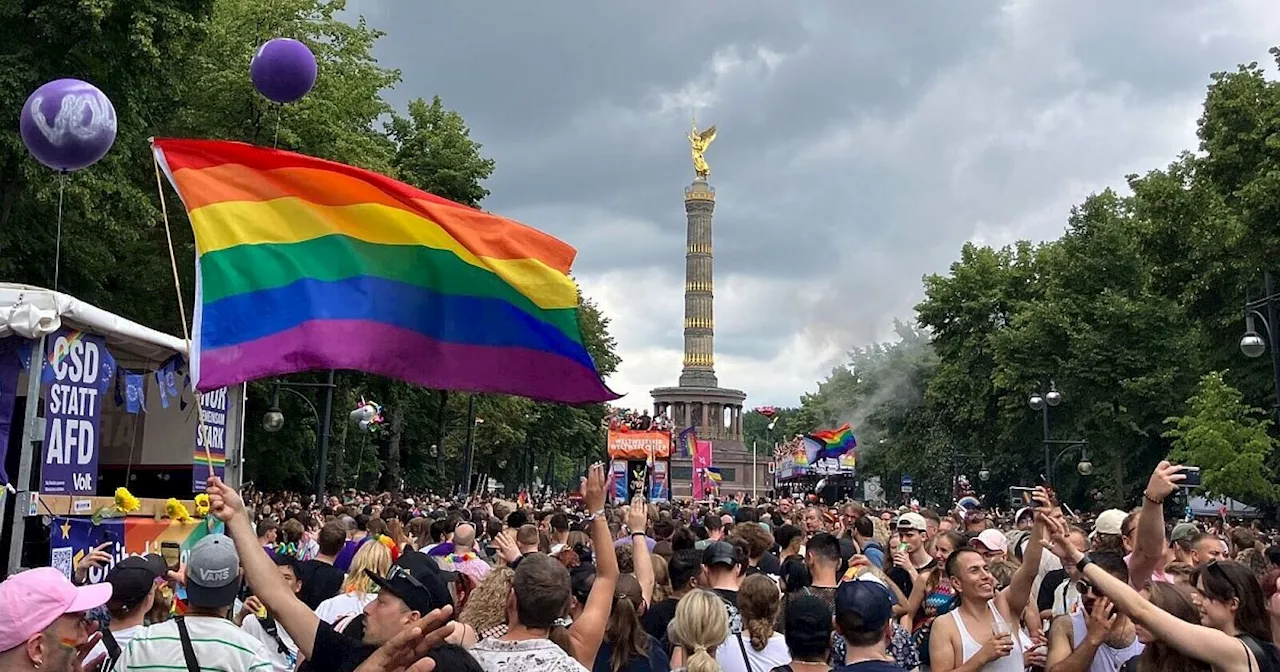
pixel 719 553
pixel 133 579
pixel 418 580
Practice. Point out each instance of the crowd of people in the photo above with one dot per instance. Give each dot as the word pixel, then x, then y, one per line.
pixel 382 582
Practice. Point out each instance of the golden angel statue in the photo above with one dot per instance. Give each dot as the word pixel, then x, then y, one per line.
pixel 700 141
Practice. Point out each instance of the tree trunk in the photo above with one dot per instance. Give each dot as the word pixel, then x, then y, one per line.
pixel 390 479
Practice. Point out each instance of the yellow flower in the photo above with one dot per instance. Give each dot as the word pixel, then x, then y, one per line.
pixel 176 511
pixel 126 502
pixel 202 505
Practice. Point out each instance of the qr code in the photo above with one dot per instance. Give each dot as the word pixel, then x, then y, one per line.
pixel 62 560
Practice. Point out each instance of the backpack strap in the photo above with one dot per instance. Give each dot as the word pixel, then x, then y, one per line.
pixel 188 651
pixel 270 627
pixel 113 649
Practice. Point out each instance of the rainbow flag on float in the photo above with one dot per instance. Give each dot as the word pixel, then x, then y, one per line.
pixel 713 473
pixel 833 442
pixel 308 264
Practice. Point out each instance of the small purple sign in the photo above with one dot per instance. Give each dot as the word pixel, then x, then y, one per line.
pixel 78 370
pixel 10 371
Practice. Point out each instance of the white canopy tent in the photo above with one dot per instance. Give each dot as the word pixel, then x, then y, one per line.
pixel 33 313
pixel 1203 507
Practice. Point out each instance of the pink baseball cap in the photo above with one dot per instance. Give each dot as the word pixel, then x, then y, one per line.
pixel 992 540
pixel 31 601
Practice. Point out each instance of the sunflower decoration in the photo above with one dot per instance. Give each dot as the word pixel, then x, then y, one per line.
pixel 202 505
pixel 125 503
pixel 175 510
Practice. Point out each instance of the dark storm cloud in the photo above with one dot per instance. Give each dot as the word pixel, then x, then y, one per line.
pixel 861 143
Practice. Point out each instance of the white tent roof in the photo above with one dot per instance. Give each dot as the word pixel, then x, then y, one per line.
pixel 31 312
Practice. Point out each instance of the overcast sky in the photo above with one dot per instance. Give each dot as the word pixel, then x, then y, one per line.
pixel 860 144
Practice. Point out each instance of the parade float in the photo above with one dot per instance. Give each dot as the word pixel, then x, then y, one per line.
pixel 823 463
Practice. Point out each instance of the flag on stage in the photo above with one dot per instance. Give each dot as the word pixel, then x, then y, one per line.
pixel 713 473
pixel 308 264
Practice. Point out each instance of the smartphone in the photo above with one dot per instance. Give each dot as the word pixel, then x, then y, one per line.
pixel 171 551
pixel 1192 479
pixel 1024 494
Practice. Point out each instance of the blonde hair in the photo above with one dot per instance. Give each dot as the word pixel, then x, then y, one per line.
pixel 486 606
pixel 699 627
pixel 372 556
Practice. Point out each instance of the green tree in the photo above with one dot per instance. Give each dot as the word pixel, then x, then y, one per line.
pixel 435 152
pixel 1228 440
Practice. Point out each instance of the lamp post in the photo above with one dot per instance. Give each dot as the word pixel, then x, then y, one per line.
pixel 957 459
pixel 273 421
pixel 468 452
pixel 1252 344
pixel 1042 403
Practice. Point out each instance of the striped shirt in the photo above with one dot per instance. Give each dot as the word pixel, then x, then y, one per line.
pixel 218 644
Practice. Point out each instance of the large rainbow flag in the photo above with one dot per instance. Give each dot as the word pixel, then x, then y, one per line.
pixel 308 264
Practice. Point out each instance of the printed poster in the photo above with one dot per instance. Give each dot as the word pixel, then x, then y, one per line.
pixel 71 538
pixel 77 372
pixel 211 434
pixel 701 460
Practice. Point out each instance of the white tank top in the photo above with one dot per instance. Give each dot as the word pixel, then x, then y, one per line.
pixel 1010 663
pixel 1107 659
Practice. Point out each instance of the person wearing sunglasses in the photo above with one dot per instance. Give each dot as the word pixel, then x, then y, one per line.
pixel 1094 636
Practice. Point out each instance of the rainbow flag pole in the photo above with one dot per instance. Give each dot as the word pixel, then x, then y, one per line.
pixel 305 264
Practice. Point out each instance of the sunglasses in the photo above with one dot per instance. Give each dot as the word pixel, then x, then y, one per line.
pixel 1084 587
pixel 397 572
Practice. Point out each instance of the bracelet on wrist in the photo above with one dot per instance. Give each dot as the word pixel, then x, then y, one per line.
pixel 1083 562
pixel 1153 500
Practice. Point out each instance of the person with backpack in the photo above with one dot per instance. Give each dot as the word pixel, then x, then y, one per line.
pixel 864 532
pixel 255 619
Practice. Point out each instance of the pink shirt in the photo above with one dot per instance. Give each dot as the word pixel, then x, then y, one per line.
pixel 1157 575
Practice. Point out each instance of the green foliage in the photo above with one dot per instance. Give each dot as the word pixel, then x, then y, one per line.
pixel 1228 440
pixel 179 68
pixel 1138 299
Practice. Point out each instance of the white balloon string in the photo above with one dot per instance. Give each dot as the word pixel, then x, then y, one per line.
pixel 275 142
pixel 57 245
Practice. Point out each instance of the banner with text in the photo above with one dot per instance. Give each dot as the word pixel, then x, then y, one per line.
pixel 701 460
pixel 77 372
pixel 658 488
pixel 211 439
pixel 636 445
pixel 10 371
pixel 618 476
pixel 72 538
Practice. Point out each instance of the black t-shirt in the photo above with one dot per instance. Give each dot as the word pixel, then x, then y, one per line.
pixel 902 579
pixel 320 582
pixel 336 652
pixel 872 666
pixel 1048 586
pixel 770 564
pixel 658 617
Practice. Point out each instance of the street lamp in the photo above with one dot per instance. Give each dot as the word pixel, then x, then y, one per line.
pixel 1041 403
pixel 1252 344
pixel 273 421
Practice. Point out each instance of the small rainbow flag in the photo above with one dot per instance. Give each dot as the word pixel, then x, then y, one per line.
pixel 834 442
pixel 306 264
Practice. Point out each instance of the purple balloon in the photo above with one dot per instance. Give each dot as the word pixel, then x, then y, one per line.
pixel 68 124
pixel 283 70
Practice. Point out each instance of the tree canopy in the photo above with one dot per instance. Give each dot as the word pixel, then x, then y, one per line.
pixel 1126 314
pixel 179 68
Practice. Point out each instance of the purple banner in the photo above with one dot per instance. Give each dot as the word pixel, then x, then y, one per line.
pixel 10 369
pixel 211 439
pixel 78 371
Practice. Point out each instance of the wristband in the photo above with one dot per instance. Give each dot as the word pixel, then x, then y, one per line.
pixel 591 518
pixel 1083 562
pixel 1153 500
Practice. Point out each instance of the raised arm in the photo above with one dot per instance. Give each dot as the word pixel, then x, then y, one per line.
pixel 587 631
pixel 1018 592
pixel 637 519
pixel 296 618
pixel 1148 547
pixel 1214 647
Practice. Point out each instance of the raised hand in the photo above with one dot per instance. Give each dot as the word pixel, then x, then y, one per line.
pixel 637 515
pixel 1056 541
pixel 507 547
pixel 224 502
pixel 593 489
pixel 1101 620
pixel 406 652
pixel 95 558
pixel 1164 480
pixel 82 651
